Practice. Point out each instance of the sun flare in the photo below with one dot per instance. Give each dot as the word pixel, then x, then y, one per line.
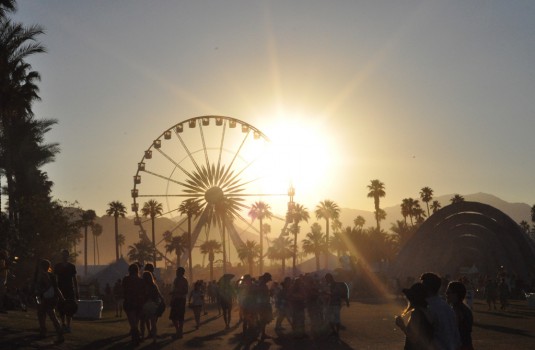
pixel 301 152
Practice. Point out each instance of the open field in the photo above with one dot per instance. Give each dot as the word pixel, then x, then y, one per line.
pixel 368 325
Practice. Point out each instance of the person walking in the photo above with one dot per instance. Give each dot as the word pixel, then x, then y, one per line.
pixel 196 302
pixel 445 331
pixel 263 304
pixel 225 294
pixel 47 294
pixel 153 297
pixel 118 298
pixel 337 292
pixel 455 295
pixel 179 295
pixel 65 272
pixel 134 298
pixel 418 330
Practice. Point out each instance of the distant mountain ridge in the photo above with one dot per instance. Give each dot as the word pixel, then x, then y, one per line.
pixel 517 212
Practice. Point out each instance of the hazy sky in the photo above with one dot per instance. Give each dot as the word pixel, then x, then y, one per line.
pixel 414 93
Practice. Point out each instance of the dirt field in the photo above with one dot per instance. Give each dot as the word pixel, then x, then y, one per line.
pixel 368 325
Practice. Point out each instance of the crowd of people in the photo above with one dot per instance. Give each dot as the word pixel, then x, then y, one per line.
pixel 430 321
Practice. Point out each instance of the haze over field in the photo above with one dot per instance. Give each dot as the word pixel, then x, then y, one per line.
pixel 414 93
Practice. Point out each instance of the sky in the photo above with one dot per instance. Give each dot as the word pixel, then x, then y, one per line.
pixel 413 93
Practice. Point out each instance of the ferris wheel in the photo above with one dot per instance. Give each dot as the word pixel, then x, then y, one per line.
pixel 220 165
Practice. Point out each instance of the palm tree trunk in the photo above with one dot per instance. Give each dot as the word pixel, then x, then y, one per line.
pixel 295 251
pixel 261 262
pixel 154 243
pixel 283 265
pixel 98 250
pixel 326 263
pixel 116 237
pixel 85 250
pixel 317 262
pixel 211 263
pixel 189 250
pixel 224 249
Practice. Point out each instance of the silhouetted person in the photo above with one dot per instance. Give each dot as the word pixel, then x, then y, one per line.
pixel 418 331
pixel 337 292
pixel 134 298
pixel 263 304
pixel 47 295
pixel 68 284
pixel 179 294
pixel 152 300
pixel 445 331
pixel 196 301
pixel 118 298
pixel 455 294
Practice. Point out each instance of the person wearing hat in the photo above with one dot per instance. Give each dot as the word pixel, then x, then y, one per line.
pixel 418 330
pixel 178 301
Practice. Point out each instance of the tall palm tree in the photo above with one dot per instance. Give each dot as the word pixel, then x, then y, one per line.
pixel 281 250
pixel 151 209
pixel 96 230
pixel 315 243
pixel 18 90
pixel 377 191
pixel 426 195
pixel 248 253
pixel 190 208
pixel 121 240
pixel 87 220
pixel 298 213
pixel 435 206
pixel 116 209
pixel 211 247
pixel 457 198
pixel 178 245
pixel 260 211
pixel 327 210
pixel 141 251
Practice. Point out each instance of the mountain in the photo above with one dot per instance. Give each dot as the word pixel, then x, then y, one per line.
pixel 517 211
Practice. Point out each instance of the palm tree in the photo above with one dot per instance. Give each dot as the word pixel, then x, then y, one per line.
pixel 151 209
pixel 120 242
pixel 179 245
pixel 327 210
pixel 116 209
pixel 457 198
pixel 377 191
pixel 533 213
pixel 260 211
pixel 87 220
pixel 359 222
pixel 403 231
pixel 248 253
pixel 315 243
pixel 190 208
pixel 18 90
pixel 298 213
pixel 280 250
pixel 435 206
pixel 426 195
pixel 141 251
pixel 211 248
pixel 96 230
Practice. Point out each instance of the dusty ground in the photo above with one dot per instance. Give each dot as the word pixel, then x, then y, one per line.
pixel 368 325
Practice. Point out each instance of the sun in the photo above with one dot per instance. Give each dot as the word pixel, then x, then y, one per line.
pixel 302 154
